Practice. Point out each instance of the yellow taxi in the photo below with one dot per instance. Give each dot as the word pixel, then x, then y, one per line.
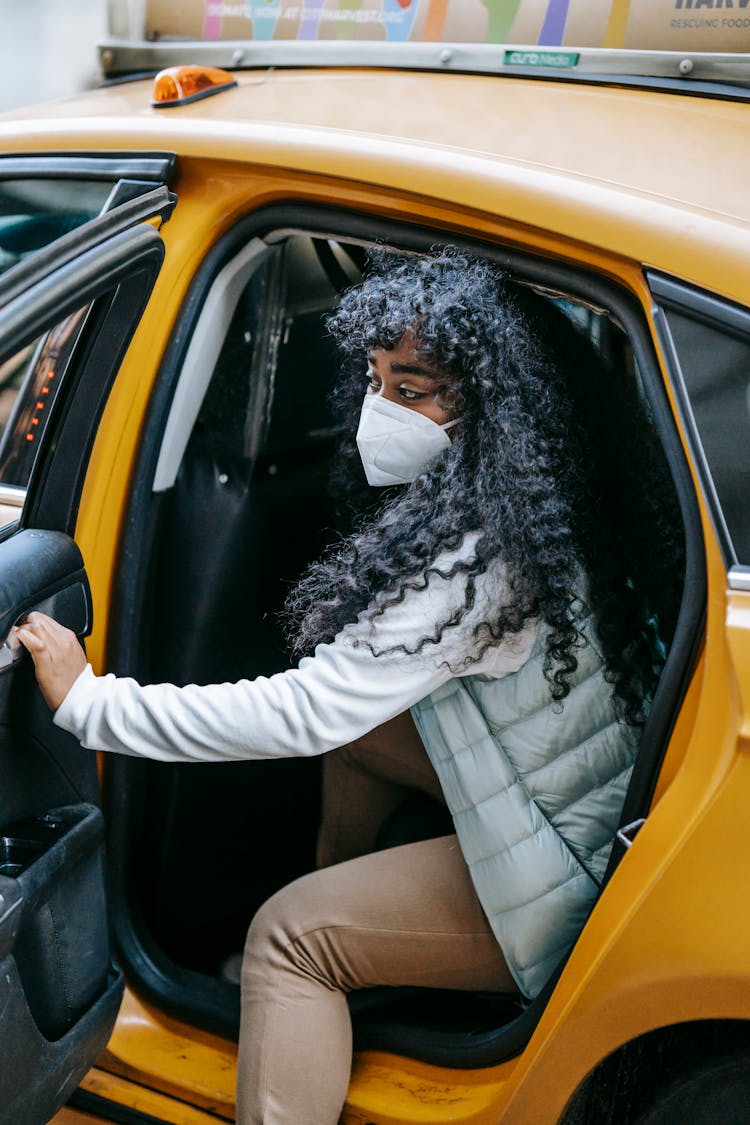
pixel 169 248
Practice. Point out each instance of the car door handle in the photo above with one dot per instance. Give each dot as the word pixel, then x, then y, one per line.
pixel 11 651
pixel 69 606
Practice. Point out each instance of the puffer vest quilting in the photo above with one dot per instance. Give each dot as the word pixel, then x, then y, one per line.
pixel 535 790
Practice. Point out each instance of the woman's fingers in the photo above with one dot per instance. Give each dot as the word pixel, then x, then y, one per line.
pixel 28 638
pixel 47 634
pixel 56 652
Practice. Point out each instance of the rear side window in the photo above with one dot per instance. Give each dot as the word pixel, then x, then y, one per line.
pixel 34 212
pixel 711 345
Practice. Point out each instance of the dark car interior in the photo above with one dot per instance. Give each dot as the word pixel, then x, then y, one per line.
pixel 208 562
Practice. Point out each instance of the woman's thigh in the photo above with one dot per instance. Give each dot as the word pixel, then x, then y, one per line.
pixel 403 916
pixel 365 781
pixel 393 752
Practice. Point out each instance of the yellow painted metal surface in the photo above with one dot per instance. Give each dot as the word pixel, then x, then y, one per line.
pixel 160 1054
pixel 390 1091
pixel 148 1053
pixel 633 140
pixel 131 1095
pixel 75 1117
pixel 606 166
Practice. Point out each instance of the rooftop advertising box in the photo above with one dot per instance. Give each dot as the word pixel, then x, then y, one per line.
pixel 659 25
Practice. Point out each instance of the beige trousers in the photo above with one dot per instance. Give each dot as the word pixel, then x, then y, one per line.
pixel 404 916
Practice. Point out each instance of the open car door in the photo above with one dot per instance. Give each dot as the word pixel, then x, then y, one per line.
pixel 66 318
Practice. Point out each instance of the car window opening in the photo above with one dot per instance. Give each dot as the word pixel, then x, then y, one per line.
pixel 249 508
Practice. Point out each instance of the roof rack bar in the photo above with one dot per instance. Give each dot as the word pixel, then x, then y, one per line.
pixel 120 57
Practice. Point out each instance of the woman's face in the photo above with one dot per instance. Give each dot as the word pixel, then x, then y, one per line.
pixel 401 376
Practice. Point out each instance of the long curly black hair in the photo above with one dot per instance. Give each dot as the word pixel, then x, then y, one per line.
pixel 556 464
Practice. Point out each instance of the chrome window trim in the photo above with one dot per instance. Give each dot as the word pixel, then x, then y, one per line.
pixel 739 578
pixel 12 495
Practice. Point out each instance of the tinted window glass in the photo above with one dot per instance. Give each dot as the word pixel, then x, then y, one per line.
pixel 716 368
pixel 34 213
pixel 29 382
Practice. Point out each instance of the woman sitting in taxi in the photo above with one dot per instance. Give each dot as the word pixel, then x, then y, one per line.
pixel 491 633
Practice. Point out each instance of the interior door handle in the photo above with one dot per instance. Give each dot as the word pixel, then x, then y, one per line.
pixel 11 651
pixel 69 606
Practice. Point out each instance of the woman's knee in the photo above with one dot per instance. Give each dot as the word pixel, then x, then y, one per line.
pixel 289 931
pixel 274 924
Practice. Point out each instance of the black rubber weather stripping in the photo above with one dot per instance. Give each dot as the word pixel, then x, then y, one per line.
pixel 158 167
pixel 113 1111
pixel 684 87
pixel 103 1107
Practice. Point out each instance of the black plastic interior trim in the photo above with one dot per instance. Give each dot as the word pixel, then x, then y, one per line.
pixel 153 971
pixel 57 564
pixel 159 167
pixel 447 1048
pixel 61 1064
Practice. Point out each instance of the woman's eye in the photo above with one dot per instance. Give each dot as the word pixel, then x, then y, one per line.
pixel 410 395
pixel 373 383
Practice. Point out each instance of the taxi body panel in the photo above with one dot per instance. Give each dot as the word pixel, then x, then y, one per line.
pixel 604 179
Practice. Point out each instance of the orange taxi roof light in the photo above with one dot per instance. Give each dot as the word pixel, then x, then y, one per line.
pixel 178 85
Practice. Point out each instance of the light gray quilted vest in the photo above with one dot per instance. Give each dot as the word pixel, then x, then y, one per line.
pixel 535 790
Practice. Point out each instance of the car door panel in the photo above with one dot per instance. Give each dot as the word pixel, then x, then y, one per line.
pixel 59 990
pixel 51 1070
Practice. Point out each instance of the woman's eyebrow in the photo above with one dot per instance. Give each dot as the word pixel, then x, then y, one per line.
pixel 414 369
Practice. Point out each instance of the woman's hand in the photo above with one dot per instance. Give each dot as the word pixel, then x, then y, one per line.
pixel 57 655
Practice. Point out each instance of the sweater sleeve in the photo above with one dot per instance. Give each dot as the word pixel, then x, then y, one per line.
pixel 332 698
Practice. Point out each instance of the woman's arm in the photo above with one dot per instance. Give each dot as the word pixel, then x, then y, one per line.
pixel 332 698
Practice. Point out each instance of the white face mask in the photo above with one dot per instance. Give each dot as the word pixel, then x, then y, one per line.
pixel 395 443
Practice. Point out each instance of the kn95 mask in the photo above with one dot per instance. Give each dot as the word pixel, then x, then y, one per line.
pixel 395 443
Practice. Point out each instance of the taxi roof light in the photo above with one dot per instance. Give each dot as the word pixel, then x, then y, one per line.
pixel 178 85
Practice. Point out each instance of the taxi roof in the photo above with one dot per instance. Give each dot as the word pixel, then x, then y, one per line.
pixel 631 170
